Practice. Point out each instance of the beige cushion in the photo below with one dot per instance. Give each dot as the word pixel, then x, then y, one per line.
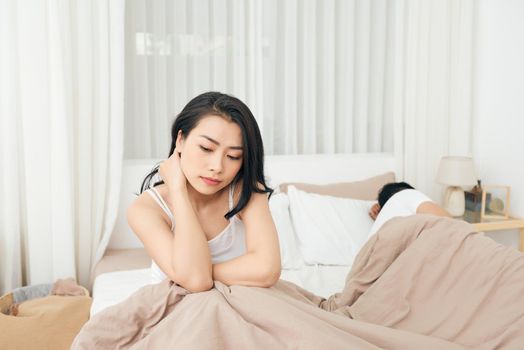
pixel 365 189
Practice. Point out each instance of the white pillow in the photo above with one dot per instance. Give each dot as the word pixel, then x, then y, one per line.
pixel 289 253
pixel 330 230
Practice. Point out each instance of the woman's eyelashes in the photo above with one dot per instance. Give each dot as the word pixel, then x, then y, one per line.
pixel 207 150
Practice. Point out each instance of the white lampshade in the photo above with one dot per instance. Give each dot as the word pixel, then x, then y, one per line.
pixel 456 171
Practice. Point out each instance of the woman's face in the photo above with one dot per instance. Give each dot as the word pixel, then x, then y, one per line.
pixel 211 151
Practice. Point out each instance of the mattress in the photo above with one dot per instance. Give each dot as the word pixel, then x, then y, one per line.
pixel 113 287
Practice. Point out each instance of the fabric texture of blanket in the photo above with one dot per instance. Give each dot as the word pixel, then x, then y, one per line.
pixel 422 282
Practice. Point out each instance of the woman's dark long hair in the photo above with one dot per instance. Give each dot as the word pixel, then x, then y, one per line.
pixel 216 103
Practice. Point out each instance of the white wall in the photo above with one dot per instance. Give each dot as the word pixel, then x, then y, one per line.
pixel 498 103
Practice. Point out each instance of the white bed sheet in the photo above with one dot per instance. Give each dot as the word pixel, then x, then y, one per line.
pixel 113 287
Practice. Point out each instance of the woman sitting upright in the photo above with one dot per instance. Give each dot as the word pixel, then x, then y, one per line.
pixel 209 219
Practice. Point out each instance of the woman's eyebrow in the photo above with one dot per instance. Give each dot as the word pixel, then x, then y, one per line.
pixel 218 143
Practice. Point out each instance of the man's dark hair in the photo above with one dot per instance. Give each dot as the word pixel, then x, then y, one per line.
pixel 390 189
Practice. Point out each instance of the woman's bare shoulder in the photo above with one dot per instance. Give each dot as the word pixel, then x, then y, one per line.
pixel 254 196
pixel 145 204
pixel 146 199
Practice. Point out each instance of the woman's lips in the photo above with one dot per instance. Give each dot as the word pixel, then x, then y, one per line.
pixel 209 181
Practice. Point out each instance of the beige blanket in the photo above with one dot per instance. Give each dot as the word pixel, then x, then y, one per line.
pixel 421 282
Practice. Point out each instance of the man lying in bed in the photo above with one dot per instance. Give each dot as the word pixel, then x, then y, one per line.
pixel 401 199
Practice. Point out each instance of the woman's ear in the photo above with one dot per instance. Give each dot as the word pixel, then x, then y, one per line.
pixel 179 140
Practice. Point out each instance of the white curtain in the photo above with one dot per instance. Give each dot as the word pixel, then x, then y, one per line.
pixel 324 76
pixel 316 74
pixel 61 136
pixel 320 76
pixel 432 105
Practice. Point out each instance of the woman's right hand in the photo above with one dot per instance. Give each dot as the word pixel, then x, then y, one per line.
pixel 172 174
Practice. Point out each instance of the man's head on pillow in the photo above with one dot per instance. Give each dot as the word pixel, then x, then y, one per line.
pixel 389 190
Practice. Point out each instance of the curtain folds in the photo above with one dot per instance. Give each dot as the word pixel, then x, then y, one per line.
pixel 330 76
pixel 311 71
pixel 434 79
pixel 61 114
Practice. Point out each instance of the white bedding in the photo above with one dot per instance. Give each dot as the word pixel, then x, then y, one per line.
pixel 114 287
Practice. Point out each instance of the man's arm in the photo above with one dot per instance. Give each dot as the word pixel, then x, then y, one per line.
pixel 432 208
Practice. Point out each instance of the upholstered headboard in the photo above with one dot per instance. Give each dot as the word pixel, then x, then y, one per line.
pixel 314 169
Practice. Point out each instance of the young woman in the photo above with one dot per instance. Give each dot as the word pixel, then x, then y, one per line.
pixel 209 219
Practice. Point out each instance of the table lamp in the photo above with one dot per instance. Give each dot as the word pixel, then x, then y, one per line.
pixel 456 172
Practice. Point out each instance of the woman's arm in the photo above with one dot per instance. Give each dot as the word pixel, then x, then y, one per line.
pixel 260 266
pixel 191 258
pixel 184 257
pixel 159 242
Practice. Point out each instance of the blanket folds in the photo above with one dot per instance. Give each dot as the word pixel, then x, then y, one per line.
pixel 422 282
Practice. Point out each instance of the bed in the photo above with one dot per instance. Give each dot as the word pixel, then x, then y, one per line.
pixel 419 282
pixel 125 266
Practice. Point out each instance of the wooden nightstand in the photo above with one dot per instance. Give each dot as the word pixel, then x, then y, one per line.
pixel 487 225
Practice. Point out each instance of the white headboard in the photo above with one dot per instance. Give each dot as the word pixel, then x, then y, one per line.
pixel 315 169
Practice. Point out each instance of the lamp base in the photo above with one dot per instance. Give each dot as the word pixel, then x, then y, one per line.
pixel 454 201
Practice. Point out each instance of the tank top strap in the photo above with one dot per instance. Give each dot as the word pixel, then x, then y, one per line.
pixel 158 198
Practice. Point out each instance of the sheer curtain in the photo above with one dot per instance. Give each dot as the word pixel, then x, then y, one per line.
pixel 316 74
pixel 61 136
pixel 321 76
pixel 433 84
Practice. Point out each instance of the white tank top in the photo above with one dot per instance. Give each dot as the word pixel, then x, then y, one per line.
pixel 227 245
